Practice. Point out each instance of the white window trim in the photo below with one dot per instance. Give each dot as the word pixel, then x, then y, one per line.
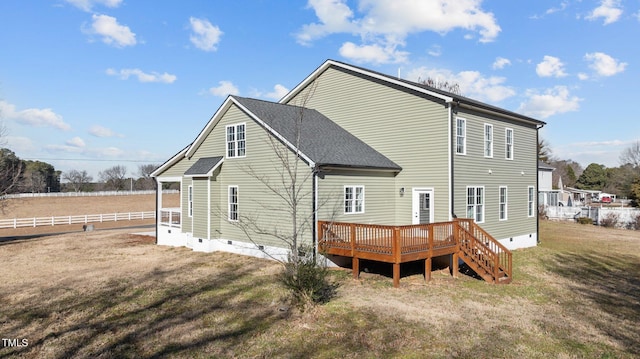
pixel 353 200
pixel 237 203
pixel 464 136
pixel 531 201
pixel 190 201
pixel 488 140
pixel 506 143
pixel 235 140
pixel 475 204
pixel 506 203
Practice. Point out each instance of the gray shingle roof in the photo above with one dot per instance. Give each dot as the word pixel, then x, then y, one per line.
pixel 321 139
pixel 203 166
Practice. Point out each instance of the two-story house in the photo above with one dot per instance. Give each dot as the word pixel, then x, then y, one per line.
pixel 359 147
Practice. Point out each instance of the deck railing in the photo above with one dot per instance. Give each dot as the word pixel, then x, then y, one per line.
pixel 400 244
pixel 170 217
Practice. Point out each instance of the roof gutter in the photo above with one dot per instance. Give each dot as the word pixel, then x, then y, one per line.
pixel 537 123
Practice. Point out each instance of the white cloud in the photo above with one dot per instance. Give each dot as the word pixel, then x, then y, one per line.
pixel 112 33
pixel 435 51
pixel 205 36
pixel 609 10
pixel 278 92
pixel 603 64
pixel 563 5
pixel 100 131
pixel 225 88
pixel 500 63
pixel 34 116
pixel 582 76
pixel 384 25
pixel 142 76
pixel 20 144
pixel 109 152
pixel 553 101
pixel 472 83
pixel 64 148
pixel 87 5
pixel 76 142
pixel 550 67
pixel 375 53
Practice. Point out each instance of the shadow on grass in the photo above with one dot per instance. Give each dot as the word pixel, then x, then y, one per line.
pixel 149 316
pixel 612 284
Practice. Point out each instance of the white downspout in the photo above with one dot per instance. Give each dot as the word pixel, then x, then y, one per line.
pixel 450 159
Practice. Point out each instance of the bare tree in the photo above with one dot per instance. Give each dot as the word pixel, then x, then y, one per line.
pixel 114 178
pixel 289 180
pixel 631 155
pixel 78 180
pixel 145 182
pixel 442 85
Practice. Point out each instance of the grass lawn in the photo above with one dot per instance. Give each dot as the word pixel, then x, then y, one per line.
pixel 110 294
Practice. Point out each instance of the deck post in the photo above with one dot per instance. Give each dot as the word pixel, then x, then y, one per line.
pixel 355 265
pixel 396 275
pixel 427 269
pixel 454 265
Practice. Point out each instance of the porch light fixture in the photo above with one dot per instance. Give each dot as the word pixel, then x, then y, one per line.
pixel 521 173
pixel 401 191
pixel 490 172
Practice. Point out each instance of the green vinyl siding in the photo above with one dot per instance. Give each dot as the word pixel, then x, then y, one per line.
pixel 200 207
pixel 186 221
pixel 256 202
pixel 474 169
pixel 379 196
pixel 406 127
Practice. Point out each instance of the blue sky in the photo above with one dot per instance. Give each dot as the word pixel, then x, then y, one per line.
pixel 88 84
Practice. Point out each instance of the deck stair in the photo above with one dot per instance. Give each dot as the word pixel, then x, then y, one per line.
pixel 461 238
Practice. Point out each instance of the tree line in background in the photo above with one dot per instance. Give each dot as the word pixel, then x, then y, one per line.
pixel 623 181
pixel 25 176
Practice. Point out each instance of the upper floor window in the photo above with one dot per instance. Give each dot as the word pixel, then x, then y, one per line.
pixel 236 140
pixel 461 136
pixel 508 149
pixel 488 140
pixel 353 199
pixel 475 203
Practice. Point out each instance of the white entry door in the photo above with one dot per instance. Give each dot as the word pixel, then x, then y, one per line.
pixel 422 208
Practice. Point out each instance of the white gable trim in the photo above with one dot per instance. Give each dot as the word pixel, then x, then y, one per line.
pixel 173 160
pixel 378 76
pixel 218 116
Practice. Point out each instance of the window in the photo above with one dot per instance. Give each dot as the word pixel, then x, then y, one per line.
pixel 530 202
pixel 488 140
pixel 461 136
pixel 475 203
pixel 353 199
pixel 236 140
pixel 508 150
pixel 190 201
pixel 502 200
pixel 233 203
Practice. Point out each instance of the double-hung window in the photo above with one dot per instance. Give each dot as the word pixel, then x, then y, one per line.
pixel 508 140
pixel 531 201
pixel 190 201
pixel 502 200
pixel 475 203
pixel 353 199
pixel 461 136
pixel 236 140
pixel 232 210
pixel 488 140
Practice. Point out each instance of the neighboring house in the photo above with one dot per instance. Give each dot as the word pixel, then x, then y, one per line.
pixel 547 196
pixel 373 149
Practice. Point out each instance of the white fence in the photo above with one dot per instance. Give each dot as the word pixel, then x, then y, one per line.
pixel 625 215
pixel 81 219
pixel 88 194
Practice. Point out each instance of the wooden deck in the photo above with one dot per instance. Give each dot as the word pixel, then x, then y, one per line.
pixel 461 238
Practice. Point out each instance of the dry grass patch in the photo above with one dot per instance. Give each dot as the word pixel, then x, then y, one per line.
pixel 111 294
